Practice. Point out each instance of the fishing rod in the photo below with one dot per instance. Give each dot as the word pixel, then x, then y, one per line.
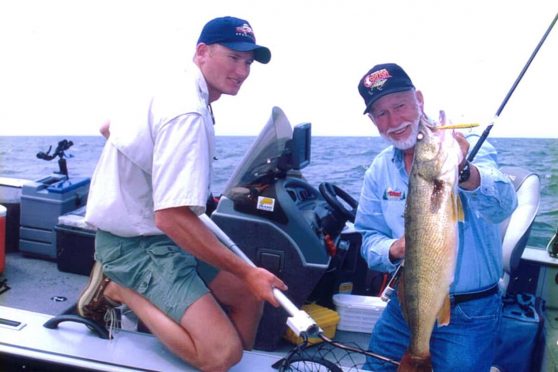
pixel 486 132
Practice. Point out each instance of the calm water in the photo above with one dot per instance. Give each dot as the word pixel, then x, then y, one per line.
pixel 339 160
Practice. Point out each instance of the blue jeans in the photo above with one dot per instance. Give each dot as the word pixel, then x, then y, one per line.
pixel 466 344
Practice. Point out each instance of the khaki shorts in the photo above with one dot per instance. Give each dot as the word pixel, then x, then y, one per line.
pixel 155 267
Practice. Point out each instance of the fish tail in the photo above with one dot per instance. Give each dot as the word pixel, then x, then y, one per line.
pixel 413 363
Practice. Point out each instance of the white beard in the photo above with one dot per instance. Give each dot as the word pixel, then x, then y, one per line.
pixel 406 143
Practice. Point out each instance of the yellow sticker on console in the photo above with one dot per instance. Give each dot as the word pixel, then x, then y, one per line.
pixel 266 204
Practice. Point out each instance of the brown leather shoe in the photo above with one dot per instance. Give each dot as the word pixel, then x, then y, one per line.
pixel 92 302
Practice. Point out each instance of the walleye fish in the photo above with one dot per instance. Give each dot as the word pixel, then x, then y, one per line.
pixel 431 240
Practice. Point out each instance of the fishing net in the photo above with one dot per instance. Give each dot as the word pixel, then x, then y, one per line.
pixel 326 356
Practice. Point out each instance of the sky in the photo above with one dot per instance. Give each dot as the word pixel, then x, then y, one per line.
pixel 66 65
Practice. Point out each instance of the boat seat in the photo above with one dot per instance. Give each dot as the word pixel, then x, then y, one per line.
pixel 515 229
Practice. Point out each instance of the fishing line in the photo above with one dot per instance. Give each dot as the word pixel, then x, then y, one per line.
pixel 486 132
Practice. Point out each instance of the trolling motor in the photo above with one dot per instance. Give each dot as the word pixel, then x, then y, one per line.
pixel 60 152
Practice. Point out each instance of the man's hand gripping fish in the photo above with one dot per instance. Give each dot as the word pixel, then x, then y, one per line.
pixel 432 213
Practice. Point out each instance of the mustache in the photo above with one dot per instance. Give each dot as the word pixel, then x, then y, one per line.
pixel 400 127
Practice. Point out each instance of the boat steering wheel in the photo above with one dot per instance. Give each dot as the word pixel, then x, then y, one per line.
pixel 334 197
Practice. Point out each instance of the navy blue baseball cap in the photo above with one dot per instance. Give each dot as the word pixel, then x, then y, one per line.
pixel 381 80
pixel 236 34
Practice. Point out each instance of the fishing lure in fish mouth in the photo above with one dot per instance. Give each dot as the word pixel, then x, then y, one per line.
pixel 459 126
pixel 434 125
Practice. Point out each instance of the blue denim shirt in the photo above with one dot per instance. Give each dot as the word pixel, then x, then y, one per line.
pixel 380 217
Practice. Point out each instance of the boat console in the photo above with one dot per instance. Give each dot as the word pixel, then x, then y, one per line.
pixel 281 222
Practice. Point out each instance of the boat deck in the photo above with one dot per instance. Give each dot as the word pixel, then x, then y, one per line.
pixel 37 285
pixel 35 291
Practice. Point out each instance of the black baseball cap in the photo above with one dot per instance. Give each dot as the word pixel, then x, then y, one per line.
pixel 236 34
pixel 381 80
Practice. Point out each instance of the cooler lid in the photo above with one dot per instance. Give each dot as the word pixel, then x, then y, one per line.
pixel 70 184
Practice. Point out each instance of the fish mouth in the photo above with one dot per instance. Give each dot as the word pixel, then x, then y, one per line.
pixel 428 123
pixel 425 128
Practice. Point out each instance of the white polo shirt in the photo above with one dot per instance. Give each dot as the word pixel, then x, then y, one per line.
pixel 159 155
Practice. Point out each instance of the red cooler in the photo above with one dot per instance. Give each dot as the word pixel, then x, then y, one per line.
pixel 3 211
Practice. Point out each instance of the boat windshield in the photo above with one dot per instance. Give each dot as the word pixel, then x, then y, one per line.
pixel 263 157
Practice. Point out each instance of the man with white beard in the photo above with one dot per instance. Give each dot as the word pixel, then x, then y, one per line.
pixel 396 108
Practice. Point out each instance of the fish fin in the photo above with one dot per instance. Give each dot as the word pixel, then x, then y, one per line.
pixel 413 363
pixel 444 313
pixel 459 212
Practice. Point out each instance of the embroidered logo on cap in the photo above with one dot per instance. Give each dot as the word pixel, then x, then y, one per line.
pixel 376 79
pixel 246 31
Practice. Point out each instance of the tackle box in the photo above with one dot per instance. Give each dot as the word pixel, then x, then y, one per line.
pixel 326 318
pixel 42 202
